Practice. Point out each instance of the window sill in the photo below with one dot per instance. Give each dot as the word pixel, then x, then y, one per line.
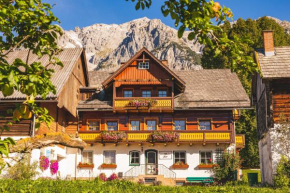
pixel 134 164
pixel 208 166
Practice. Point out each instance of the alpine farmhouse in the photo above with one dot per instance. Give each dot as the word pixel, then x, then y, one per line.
pixel 271 96
pixel 145 121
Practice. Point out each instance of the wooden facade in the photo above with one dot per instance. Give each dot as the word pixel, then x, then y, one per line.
pixel 62 107
pixel 131 83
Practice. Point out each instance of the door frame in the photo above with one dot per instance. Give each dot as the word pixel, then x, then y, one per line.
pixel 156 159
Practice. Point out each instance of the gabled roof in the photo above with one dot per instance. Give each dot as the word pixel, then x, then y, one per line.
pixel 205 89
pixel 211 88
pixel 69 57
pixel 124 66
pixel 276 66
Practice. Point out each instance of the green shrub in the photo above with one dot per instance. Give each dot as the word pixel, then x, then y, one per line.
pixel 22 169
pixel 281 178
pixel 226 169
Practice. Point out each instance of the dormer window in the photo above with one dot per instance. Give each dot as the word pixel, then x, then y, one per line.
pixel 143 65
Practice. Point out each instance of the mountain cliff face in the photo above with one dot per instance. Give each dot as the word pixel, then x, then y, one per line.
pixel 108 45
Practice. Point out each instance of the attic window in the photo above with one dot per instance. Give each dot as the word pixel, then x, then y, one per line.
pixel 143 65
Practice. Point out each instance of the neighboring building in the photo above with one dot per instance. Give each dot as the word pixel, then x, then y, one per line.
pixel 62 105
pixel 271 96
pixel 144 96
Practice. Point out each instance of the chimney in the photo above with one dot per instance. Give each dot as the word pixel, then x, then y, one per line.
pixel 165 62
pixel 268 43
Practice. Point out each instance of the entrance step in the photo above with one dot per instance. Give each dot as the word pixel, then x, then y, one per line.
pixel 150 179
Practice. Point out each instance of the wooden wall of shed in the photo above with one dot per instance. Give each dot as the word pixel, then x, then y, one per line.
pixel 221 120
pixel 70 94
pixel 63 120
pixel 281 99
pixel 21 128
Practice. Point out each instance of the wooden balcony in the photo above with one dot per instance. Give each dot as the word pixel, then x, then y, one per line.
pixel 197 136
pixel 240 141
pixel 145 104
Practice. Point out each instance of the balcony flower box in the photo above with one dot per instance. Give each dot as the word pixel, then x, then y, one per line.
pixel 142 103
pixel 113 135
pixel 180 165
pixel 109 166
pixel 86 165
pixel 159 136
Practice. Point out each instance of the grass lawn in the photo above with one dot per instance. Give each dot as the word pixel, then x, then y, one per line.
pixel 245 174
pixel 58 186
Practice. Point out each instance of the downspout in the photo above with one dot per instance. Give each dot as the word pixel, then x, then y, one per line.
pixel 33 125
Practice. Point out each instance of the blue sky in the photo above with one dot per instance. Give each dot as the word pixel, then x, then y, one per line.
pixel 83 13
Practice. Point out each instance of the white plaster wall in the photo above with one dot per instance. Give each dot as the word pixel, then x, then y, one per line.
pixel 122 158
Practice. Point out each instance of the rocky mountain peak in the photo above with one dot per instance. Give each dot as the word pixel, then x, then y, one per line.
pixel 108 45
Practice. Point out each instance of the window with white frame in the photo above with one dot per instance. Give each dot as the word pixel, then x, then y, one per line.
pixel 143 65
pixel 180 157
pixel 146 93
pixel 134 158
pixel 204 124
pixel 87 157
pixel 112 125
pixel 205 157
pixel 151 125
pixel 109 157
pixel 135 125
pixel 93 125
pixel 179 124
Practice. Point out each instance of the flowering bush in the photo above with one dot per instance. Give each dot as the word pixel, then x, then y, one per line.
pixel 142 102
pixel 53 166
pixel 113 177
pixel 165 136
pixel 103 177
pixel 43 163
pixel 113 135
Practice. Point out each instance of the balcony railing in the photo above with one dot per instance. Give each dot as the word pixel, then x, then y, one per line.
pixel 197 136
pixel 143 103
pixel 240 141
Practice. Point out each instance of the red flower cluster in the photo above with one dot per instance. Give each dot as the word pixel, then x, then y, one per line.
pixel 113 135
pixel 165 136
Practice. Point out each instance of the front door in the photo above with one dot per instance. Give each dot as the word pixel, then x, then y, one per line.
pixel 151 162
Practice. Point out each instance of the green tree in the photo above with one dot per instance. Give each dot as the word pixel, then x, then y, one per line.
pixel 27 24
pixel 252 30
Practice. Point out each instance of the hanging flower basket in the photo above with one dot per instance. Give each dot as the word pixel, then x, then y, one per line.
pixel 86 165
pixel 142 103
pixel 113 135
pixel 43 163
pixel 159 136
pixel 104 165
pixel 180 165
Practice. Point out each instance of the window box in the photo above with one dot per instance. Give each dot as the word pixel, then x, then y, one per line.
pixel 86 165
pixel 177 166
pixel 205 166
pixel 108 165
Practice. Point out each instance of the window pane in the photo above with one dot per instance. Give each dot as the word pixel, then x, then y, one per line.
pixel 128 93
pixel 204 125
pixel 134 157
pixel 206 157
pixel 143 65
pixel 180 156
pixel 87 157
pixel 135 125
pixel 146 93
pixel 179 125
pixel 162 93
pixel 151 125
pixel 112 126
pixel 109 157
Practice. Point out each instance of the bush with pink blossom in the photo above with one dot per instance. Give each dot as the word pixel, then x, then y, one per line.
pixel 113 177
pixel 103 177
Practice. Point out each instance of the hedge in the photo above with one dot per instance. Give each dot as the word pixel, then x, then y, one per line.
pixel 59 186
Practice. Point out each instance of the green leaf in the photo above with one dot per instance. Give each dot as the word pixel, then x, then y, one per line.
pixel 181 31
